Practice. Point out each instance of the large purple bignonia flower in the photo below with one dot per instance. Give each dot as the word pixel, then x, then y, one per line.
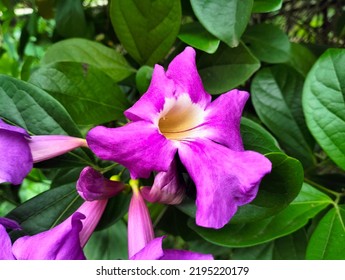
pixel 142 244
pixel 176 116
pixel 19 150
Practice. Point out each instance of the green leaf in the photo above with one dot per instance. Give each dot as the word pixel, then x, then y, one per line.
pixel 308 203
pixel 276 190
pixel 70 19
pixel 258 252
pixel 324 103
pixel 276 95
pixel 146 28
pixel 116 208
pixel 143 78
pixel 108 244
pixel 291 247
pixel 256 138
pixel 301 58
pixel 89 52
pixel 225 19
pixel 227 68
pixel 89 95
pixel 268 43
pixel 327 241
pixel 33 109
pixel 265 6
pixel 47 209
pixel 195 35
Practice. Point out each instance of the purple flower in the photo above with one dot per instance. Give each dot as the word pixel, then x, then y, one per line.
pixel 66 240
pixel 176 116
pixel 19 150
pixel 142 245
pixel 63 242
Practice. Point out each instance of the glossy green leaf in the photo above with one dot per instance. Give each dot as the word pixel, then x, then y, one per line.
pixel 33 109
pixel 89 95
pixel 265 6
pixel 276 95
pixel 146 28
pixel 70 19
pixel 291 247
pixel 108 244
pixel 268 43
pixel 307 204
pixel 143 78
pixel 276 190
pixel 225 19
pixel 195 35
pixel 328 240
pixel 46 209
pixel 258 252
pixel 301 58
pixel 227 68
pixel 116 208
pixel 89 52
pixel 324 103
pixel 257 138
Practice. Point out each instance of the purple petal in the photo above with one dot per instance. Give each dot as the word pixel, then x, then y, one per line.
pixel 152 251
pixel 224 179
pixel 138 146
pixel 168 187
pixel 44 147
pixel 15 156
pixel 223 117
pixel 93 211
pixel 182 70
pixel 8 223
pixel 5 245
pixel 140 228
pixel 170 254
pixel 91 185
pixel 152 102
pixel 59 243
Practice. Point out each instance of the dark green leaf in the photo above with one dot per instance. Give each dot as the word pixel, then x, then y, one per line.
pixel 225 19
pixel 256 138
pixel 146 28
pixel 328 240
pixel 276 190
pixel 291 247
pixel 143 78
pixel 308 203
pixel 46 209
pixel 89 95
pixel 108 244
pixel 265 6
pixel 70 19
pixel 268 43
pixel 258 252
pixel 324 103
pixel 301 58
pixel 89 52
pixel 195 35
pixel 116 208
pixel 276 95
pixel 227 68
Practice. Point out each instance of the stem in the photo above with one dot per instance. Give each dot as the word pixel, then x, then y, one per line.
pixel 322 188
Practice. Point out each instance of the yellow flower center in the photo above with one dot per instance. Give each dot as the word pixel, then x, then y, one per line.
pixel 180 118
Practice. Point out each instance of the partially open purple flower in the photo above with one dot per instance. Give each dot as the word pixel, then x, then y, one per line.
pixel 176 116
pixel 142 245
pixel 63 242
pixel 19 150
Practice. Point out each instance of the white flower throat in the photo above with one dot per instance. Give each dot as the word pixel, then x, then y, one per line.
pixel 180 118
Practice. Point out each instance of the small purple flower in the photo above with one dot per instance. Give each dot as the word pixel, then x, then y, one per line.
pixel 142 245
pixel 176 116
pixel 19 150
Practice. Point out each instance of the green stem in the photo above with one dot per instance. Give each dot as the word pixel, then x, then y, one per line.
pixel 322 188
